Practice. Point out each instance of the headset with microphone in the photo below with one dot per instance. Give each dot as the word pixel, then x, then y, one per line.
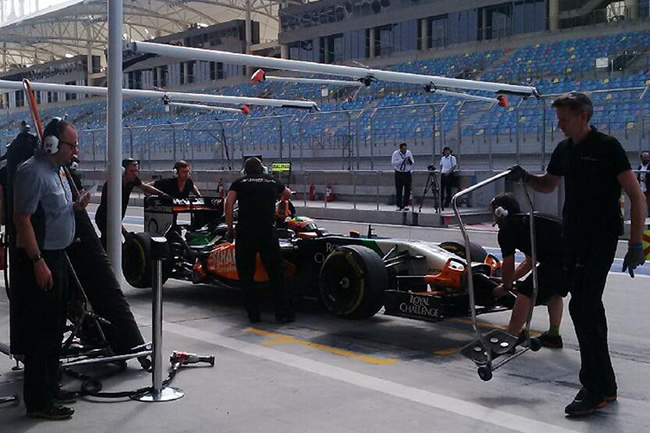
pixel 52 135
pixel 501 212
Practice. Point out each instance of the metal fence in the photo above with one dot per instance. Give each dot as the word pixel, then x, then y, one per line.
pixel 482 135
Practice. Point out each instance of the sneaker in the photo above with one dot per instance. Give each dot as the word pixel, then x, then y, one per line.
pixel 552 342
pixel 65 397
pixel 584 403
pixel 583 391
pixel 54 412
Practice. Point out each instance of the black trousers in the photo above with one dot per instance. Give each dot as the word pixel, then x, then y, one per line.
pixel 446 182
pixel 402 188
pixel 247 246
pixel 96 275
pixel 587 271
pixel 44 320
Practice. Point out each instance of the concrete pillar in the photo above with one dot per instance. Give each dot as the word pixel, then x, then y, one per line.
pixel 371 49
pixel 631 9
pixel 553 15
pixel 284 51
pixel 424 33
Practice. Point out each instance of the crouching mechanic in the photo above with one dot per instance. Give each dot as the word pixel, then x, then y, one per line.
pixel 45 227
pixel 257 193
pixel 514 234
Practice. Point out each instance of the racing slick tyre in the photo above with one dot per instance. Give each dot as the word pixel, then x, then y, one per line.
pixel 477 252
pixel 352 282
pixel 136 260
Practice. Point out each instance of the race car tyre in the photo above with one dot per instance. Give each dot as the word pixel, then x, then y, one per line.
pixel 352 282
pixel 477 252
pixel 485 373
pixel 136 260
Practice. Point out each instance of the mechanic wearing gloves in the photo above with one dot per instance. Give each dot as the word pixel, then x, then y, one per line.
pixel 594 167
pixel 257 194
pixel 514 234
pixel 130 180
pixel 45 227
pixel 179 186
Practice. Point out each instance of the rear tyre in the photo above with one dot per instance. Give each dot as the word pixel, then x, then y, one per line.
pixel 477 252
pixel 136 260
pixel 352 282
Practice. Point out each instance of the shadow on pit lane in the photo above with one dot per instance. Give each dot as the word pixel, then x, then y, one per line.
pixel 379 336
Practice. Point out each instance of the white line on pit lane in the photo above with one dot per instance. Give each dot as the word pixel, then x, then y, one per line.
pixel 427 398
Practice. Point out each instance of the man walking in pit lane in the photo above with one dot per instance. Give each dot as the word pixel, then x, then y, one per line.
pixel 514 234
pixel 595 168
pixel 257 194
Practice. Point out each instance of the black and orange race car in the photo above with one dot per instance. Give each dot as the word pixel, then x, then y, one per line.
pixel 353 275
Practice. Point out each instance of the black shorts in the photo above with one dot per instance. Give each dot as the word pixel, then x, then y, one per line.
pixel 551 279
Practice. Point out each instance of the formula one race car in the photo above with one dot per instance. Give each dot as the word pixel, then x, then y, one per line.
pixel 353 275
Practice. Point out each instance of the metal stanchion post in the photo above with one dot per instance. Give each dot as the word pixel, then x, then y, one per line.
pixel 159 252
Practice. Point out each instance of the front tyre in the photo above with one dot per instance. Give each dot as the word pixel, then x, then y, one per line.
pixel 136 260
pixel 352 282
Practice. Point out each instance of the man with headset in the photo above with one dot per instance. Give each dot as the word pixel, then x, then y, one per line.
pixel 514 234
pixel 45 227
pixel 181 185
pixel 130 180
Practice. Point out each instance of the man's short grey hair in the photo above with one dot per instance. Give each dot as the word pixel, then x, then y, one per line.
pixel 575 101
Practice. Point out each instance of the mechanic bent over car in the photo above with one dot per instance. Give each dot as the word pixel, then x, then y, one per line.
pixel 514 235
pixel 257 194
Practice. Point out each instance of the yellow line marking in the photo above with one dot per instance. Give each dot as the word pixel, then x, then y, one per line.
pixel 450 351
pixel 285 339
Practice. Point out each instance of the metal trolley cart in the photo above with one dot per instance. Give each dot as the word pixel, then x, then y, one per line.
pixel 497 343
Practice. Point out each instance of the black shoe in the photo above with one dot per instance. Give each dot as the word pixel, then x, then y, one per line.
pixel 552 342
pixel 65 397
pixel 287 317
pixel 405 208
pixel 145 362
pixel 254 316
pixel 54 412
pixel 609 397
pixel 584 404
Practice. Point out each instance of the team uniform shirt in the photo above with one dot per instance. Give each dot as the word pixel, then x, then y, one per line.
pixel 591 206
pixel 399 159
pixel 514 234
pixel 447 164
pixel 42 190
pixel 257 196
pixel 100 215
pixel 170 187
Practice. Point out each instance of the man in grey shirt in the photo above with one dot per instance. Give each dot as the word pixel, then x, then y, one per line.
pixel 45 226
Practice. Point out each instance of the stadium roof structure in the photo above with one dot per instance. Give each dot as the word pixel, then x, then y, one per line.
pixel 80 27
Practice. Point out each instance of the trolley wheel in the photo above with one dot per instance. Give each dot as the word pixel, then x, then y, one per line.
pixel 485 373
pixel 535 344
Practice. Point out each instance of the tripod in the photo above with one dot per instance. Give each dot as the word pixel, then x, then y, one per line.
pixel 431 185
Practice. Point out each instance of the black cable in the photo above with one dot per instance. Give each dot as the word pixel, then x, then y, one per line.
pixel 92 385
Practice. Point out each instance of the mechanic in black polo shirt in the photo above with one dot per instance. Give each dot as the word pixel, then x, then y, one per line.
pixel 181 185
pixel 514 234
pixel 130 180
pixel 257 194
pixel 595 168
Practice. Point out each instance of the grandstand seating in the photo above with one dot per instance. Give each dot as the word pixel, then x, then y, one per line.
pixel 384 114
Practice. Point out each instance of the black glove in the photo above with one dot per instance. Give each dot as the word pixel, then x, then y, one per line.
pixel 634 257
pixel 230 236
pixel 517 173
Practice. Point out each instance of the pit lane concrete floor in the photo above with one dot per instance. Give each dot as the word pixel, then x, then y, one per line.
pixel 385 374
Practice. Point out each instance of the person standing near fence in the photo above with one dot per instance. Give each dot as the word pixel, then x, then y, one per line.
pixel 595 168
pixel 448 167
pixel 402 162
